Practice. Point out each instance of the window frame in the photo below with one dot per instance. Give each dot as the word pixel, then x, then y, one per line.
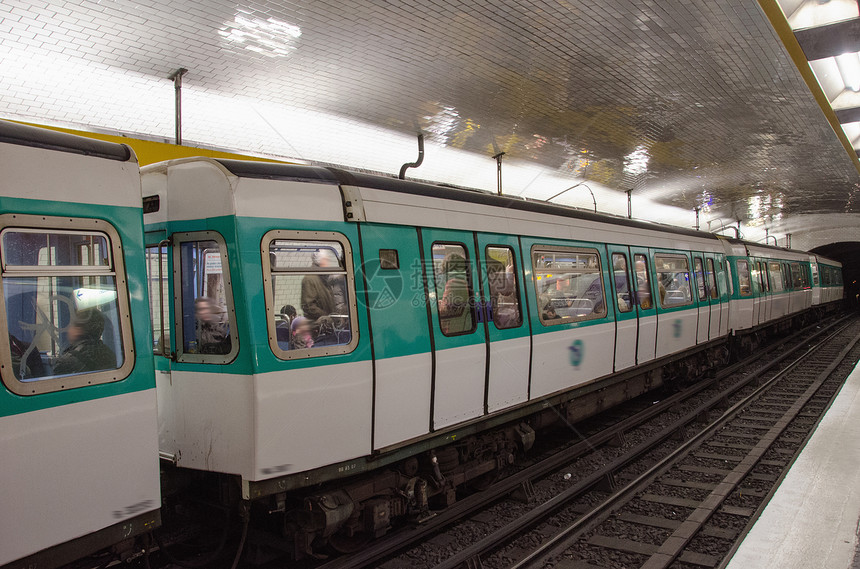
pixel 702 291
pixel 268 293
pixel 711 277
pixel 162 255
pixel 116 268
pixel 647 272
pixel 777 284
pixel 470 286
pixel 690 277
pixel 626 272
pixel 537 249
pixel 745 272
pixel 517 294
pixel 178 335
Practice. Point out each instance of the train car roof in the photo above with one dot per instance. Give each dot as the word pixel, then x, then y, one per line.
pixel 316 174
pixel 26 135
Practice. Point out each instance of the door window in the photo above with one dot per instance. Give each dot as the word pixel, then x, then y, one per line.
pixel 453 281
pixel 504 289
pixel 710 274
pixel 206 326
pixel 701 285
pixel 622 287
pixel 643 281
pixel 744 282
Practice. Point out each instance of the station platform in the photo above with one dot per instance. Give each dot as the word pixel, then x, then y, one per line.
pixel 812 520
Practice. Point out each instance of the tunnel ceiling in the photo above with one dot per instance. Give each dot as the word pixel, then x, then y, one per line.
pixel 689 104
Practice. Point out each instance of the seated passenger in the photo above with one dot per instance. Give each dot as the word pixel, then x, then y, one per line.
pixel 282 326
pixel 300 331
pixel 86 351
pixel 549 312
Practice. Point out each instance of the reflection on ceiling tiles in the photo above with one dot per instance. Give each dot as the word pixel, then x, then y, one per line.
pixel 692 106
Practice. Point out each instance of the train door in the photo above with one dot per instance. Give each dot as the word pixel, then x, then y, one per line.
pixel 677 308
pixel 767 297
pixel 402 356
pixel 703 296
pixel 742 299
pixel 626 322
pixel 509 339
pixel 646 311
pixel 724 289
pixel 714 295
pixel 459 339
pixel 757 292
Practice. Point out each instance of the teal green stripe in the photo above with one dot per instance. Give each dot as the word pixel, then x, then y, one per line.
pixel 128 222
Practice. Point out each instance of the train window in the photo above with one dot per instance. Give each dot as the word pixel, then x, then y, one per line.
pixel 206 330
pixel 814 267
pixel 775 276
pixel 701 286
pixel 760 276
pixel 796 276
pixel 673 280
pixel 310 297
pixel 710 275
pixel 569 285
pixel 388 259
pixel 804 276
pixel 504 287
pixel 786 276
pixel 622 288
pixel 159 293
pixel 724 277
pixel 66 304
pixel 643 281
pixel 744 278
pixel 453 279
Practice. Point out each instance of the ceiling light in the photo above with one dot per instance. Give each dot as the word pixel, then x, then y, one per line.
pixel 849 68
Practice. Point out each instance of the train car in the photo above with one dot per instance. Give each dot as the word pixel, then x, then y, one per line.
pixel 78 429
pixel 769 284
pixel 357 324
pixel 827 286
pixel 334 349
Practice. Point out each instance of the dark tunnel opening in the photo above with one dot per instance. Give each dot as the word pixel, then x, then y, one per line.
pixel 847 253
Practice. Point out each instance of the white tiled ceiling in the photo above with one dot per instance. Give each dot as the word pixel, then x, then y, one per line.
pixel 689 103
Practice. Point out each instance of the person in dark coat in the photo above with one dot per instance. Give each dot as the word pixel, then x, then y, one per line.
pixel 213 334
pixel 86 351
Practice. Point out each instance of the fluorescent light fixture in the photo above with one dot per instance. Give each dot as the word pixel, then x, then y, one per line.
pixel 811 13
pixel 849 68
pixel 852 131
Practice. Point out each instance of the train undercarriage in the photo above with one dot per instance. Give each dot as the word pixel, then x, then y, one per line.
pixel 340 515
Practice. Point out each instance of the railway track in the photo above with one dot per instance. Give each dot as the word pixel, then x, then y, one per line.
pixel 727 464
pixel 635 444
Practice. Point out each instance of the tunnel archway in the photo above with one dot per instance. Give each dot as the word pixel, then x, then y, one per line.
pixel 847 253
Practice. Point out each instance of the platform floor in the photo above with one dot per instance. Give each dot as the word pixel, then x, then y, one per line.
pixel 812 521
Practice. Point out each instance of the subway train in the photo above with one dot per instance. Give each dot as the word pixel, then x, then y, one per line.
pixel 322 352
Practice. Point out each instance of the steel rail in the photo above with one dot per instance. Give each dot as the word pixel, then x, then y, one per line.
pixel 387 546
pixel 669 551
pixel 471 555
